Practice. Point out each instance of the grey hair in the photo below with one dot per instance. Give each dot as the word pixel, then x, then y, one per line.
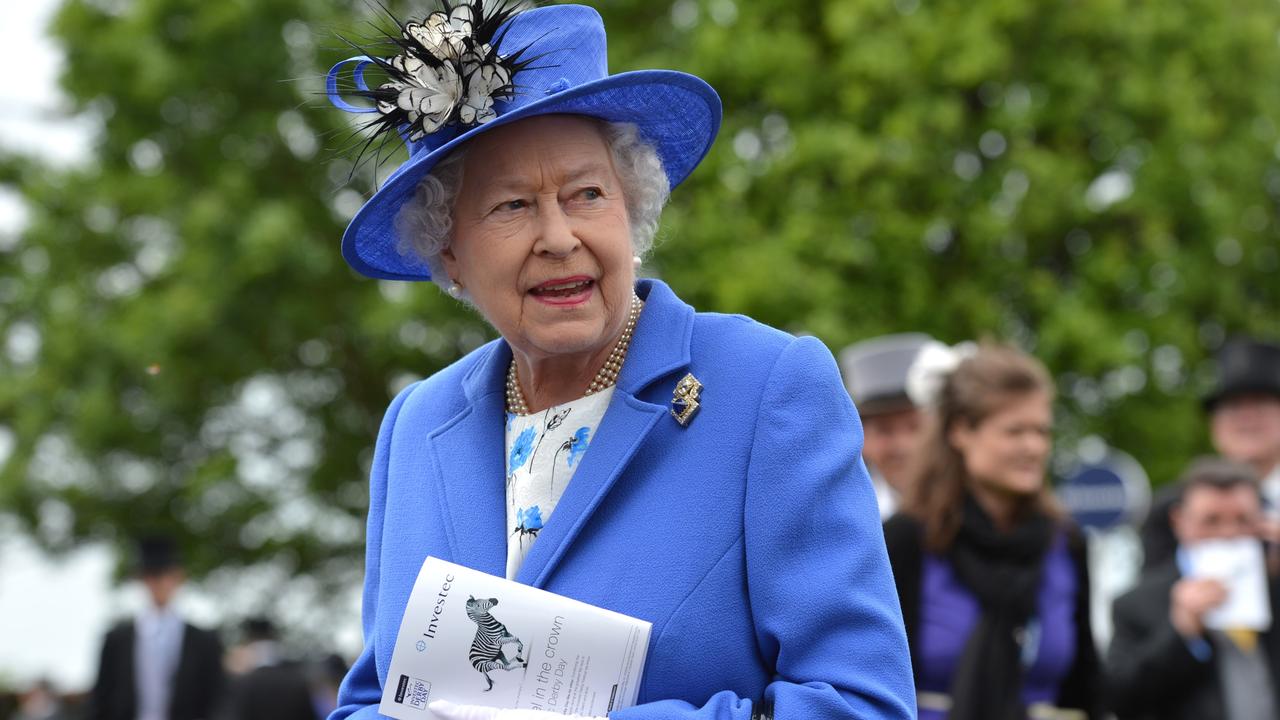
pixel 424 224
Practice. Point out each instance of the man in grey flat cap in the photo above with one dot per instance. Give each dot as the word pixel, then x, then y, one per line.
pixel 875 373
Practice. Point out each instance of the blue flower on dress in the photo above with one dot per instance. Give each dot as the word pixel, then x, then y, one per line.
pixel 520 450
pixel 578 444
pixel 529 520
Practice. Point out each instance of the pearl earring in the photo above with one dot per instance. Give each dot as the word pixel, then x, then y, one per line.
pixel 455 290
pixel 637 260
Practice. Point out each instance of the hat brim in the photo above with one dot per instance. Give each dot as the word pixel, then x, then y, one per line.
pixel 1211 402
pixel 678 113
pixel 885 405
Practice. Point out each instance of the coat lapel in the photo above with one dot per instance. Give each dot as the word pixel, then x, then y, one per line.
pixel 622 430
pixel 470 468
pixel 128 675
pixel 179 683
pixel 1271 638
pixel 659 347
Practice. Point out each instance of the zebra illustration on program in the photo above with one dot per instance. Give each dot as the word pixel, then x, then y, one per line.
pixel 491 636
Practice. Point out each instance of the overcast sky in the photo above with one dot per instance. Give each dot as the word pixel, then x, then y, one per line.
pixel 52 611
pixel 32 114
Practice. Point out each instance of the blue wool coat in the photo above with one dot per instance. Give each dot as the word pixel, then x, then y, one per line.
pixel 750 538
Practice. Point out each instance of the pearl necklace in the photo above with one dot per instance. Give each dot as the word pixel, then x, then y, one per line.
pixel 605 378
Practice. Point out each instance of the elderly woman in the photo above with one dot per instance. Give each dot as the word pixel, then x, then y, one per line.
pixel 697 471
pixel 992 577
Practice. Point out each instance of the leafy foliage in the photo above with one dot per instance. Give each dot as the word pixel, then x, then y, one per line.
pixel 185 350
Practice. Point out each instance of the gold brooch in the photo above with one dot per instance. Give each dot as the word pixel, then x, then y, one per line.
pixel 684 403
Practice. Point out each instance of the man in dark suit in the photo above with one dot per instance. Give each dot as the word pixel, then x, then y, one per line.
pixel 1164 663
pixel 269 687
pixel 156 666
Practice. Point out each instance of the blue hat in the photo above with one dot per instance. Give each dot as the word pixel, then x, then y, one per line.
pixel 557 64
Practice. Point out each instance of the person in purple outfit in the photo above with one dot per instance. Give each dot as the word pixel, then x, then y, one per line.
pixel 991 576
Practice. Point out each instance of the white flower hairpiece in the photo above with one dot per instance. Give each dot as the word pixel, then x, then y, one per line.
pixel 933 364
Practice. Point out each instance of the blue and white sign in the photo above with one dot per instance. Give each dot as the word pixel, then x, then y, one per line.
pixel 1107 490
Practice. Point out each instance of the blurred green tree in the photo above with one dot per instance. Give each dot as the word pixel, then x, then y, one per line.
pixel 185 351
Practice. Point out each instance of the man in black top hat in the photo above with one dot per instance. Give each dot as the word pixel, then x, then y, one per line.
pixel 1244 422
pixel 268 686
pixel 157 666
pixel 1245 411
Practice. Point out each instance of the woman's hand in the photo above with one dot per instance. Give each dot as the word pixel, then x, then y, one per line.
pixel 446 710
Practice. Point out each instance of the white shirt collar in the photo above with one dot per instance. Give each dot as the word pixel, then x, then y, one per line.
pixel 1273 477
pixel 263 653
pixel 1270 488
pixel 886 496
pixel 155 620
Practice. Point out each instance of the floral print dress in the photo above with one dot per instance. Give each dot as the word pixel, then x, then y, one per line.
pixel 544 450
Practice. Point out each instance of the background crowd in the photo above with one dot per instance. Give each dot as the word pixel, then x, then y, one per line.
pixel 159 665
pixel 1095 183
pixel 994 578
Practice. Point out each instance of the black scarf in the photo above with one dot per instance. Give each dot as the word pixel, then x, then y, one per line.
pixel 1003 570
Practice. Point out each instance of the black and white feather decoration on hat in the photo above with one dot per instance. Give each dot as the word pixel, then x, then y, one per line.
pixel 447 72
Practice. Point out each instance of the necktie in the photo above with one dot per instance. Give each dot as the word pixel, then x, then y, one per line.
pixel 1244 638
